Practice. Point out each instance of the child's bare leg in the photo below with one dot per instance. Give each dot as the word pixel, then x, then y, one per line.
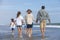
pixel 18 31
pixel 26 30
pixel 12 31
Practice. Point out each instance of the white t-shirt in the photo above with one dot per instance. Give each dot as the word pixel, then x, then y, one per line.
pixel 19 20
pixel 12 25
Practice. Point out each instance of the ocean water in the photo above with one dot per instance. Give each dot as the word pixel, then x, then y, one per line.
pixel 35 27
pixel 52 33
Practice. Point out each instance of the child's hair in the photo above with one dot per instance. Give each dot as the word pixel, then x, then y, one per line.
pixel 12 20
pixel 29 10
pixel 18 14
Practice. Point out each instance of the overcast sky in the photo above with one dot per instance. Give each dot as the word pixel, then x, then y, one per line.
pixel 9 8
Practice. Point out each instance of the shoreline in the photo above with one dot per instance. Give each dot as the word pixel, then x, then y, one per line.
pixel 47 26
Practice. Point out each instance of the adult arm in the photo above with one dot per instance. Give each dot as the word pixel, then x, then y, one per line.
pixel 48 17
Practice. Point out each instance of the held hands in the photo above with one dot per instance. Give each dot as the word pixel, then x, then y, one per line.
pixel 49 21
pixel 36 21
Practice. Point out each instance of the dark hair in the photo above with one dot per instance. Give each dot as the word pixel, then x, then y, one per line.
pixel 18 14
pixel 43 7
pixel 29 10
pixel 12 20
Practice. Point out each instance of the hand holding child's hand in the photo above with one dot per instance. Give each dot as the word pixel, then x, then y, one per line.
pixel 49 21
pixel 36 21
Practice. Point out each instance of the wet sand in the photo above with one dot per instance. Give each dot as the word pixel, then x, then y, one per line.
pixel 50 34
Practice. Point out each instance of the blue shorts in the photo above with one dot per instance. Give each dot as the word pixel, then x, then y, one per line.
pixel 12 28
pixel 29 25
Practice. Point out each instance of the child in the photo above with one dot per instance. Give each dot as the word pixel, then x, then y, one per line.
pixel 29 21
pixel 12 24
pixel 19 22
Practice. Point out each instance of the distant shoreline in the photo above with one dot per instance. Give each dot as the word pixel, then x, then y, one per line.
pixel 36 24
pixel 50 24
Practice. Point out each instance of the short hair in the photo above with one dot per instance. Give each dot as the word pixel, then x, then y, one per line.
pixel 29 10
pixel 43 7
pixel 12 19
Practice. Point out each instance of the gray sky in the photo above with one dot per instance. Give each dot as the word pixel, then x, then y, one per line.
pixel 9 8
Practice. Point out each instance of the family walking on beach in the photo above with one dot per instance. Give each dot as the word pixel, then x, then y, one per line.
pixel 42 16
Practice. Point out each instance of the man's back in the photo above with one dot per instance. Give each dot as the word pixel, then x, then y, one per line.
pixel 42 15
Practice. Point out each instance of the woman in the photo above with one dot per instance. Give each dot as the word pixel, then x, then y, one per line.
pixel 29 22
pixel 19 22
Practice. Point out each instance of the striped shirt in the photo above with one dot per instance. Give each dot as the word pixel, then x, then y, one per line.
pixel 42 15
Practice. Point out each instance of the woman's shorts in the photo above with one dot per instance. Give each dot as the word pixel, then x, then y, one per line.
pixel 29 25
pixel 19 26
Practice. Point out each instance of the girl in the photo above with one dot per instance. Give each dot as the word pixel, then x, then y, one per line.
pixel 19 22
pixel 12 24
pixel 29 20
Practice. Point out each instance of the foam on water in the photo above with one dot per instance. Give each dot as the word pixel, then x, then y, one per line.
pixel 52 26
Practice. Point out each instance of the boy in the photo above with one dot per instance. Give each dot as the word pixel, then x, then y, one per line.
pixel 12 24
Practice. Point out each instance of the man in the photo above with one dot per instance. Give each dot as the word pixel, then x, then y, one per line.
pixel 42 16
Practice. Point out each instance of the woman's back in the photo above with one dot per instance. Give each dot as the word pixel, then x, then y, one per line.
pixel 19 20
pixel 29 18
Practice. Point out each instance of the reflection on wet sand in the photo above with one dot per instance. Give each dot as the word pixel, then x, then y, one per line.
pixel 12 37
pixel 51 34
pixel 28 38
pixel 42 38
pixel 20 38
